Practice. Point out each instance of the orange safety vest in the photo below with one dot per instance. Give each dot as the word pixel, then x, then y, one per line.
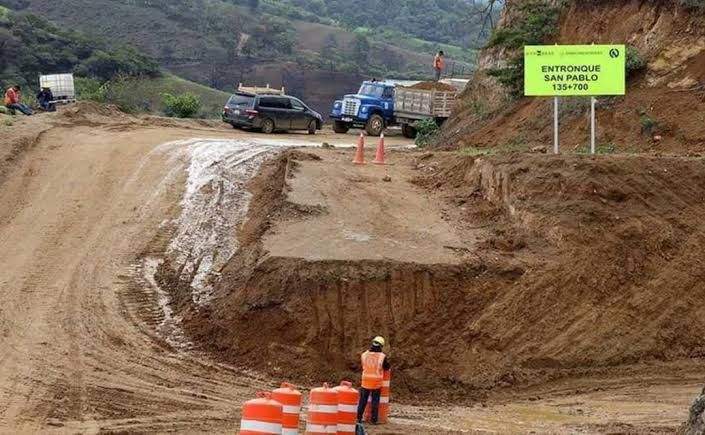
pixel 372 370
pixel 439 63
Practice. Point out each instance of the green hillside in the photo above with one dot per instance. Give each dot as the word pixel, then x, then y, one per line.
pixel 450 22
pixel 224 33
pixel 32 46
pixel 146 94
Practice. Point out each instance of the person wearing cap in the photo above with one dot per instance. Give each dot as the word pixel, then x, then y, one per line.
pixel 374 364
pixel 45 98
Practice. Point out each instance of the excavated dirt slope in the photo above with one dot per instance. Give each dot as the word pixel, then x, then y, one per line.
pixel 560 266
pixel 666 99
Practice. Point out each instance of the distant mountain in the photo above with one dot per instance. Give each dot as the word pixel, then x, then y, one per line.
pixel 441 21
pixel 295 43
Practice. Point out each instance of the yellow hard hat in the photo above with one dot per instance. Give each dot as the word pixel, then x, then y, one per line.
pixel 378 340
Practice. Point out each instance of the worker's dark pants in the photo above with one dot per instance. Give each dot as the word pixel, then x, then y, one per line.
pixel 47 106
pixel 364 397
pixel 21 107
pixel 438 74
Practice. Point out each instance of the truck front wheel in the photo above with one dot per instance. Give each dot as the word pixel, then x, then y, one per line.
pixel 408 131
pixel 375 125
pixel 341 127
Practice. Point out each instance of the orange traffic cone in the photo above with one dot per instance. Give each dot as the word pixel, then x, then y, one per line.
pixel 360 153
pixel 379 159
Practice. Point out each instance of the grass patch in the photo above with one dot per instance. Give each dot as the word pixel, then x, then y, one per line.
pixel 135 95
pixel 601 149
pixel 477 152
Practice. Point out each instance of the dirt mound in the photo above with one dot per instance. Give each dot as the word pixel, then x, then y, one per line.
pixel 579 266
pixel 696 420
pixel 159 121
pixel 434 86
pixel 90 108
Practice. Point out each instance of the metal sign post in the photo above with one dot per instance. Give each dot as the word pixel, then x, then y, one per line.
pixel 593 126
pixel 556 144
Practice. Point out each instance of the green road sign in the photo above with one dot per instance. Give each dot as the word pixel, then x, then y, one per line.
pixel 574 70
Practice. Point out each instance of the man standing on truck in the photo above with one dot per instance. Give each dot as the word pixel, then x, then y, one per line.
pixel 374 364
pixel 13 98
pixel 439 64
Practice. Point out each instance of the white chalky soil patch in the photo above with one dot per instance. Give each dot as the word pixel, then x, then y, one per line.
pixel 214 205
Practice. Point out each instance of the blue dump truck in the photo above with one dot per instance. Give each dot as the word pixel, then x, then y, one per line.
pixel 378 105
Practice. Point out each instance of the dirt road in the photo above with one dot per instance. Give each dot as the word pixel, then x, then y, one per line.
pixel 79 328
pixel 82 331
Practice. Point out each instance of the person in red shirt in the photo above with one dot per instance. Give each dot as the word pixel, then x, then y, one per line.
pixel 13 100
pixel 439 64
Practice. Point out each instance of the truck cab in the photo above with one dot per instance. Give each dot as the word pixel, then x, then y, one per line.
pixel 372 108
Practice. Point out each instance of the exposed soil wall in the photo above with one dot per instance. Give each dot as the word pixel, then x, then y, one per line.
pixel 588 265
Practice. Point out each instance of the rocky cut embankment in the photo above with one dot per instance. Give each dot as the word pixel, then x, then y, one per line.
pixel 666 84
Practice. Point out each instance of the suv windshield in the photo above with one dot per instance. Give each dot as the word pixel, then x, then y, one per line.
pixel 371 90
pixel 238 100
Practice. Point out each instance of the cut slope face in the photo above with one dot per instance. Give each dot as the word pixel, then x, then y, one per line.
pixel 664 99
pixel 561 266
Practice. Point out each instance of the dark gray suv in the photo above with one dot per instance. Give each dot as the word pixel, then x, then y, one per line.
pixel 270 113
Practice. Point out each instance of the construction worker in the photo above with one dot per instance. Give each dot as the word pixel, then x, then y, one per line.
pixel 374 364
pixel 439 64
pixel 13 100
pixel 45 98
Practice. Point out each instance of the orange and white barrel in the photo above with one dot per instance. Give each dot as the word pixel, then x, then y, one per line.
pixel 290 399
pixel 261 416
pixel 322 411
pixel 384 400
pixel 348 399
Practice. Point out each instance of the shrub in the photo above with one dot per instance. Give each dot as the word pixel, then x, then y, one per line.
pixel 426 132
pixel 181 106
pixel 89 89
pixel 511 76
pixel 648 124
pixel 635 62
pixel 693 4
pixel 536 22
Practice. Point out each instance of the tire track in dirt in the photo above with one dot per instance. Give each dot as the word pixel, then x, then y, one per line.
pixel 82 351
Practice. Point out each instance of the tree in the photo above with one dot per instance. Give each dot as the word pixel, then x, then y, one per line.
pixel 361 49
pixel 329 51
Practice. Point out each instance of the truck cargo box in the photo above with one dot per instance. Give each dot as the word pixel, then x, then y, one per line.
pixel 419 104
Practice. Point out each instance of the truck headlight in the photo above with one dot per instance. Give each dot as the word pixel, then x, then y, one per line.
pixel 337 105
pixel 364 110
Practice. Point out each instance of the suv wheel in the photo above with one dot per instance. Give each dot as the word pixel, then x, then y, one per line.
pixel 312 126
pixel 375 125
pixel 341 127
pixel 267 126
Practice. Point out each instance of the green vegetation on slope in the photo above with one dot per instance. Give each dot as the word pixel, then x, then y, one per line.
pixel 144 94
pixel 226 34
pixel 451 22
pixel 32 46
